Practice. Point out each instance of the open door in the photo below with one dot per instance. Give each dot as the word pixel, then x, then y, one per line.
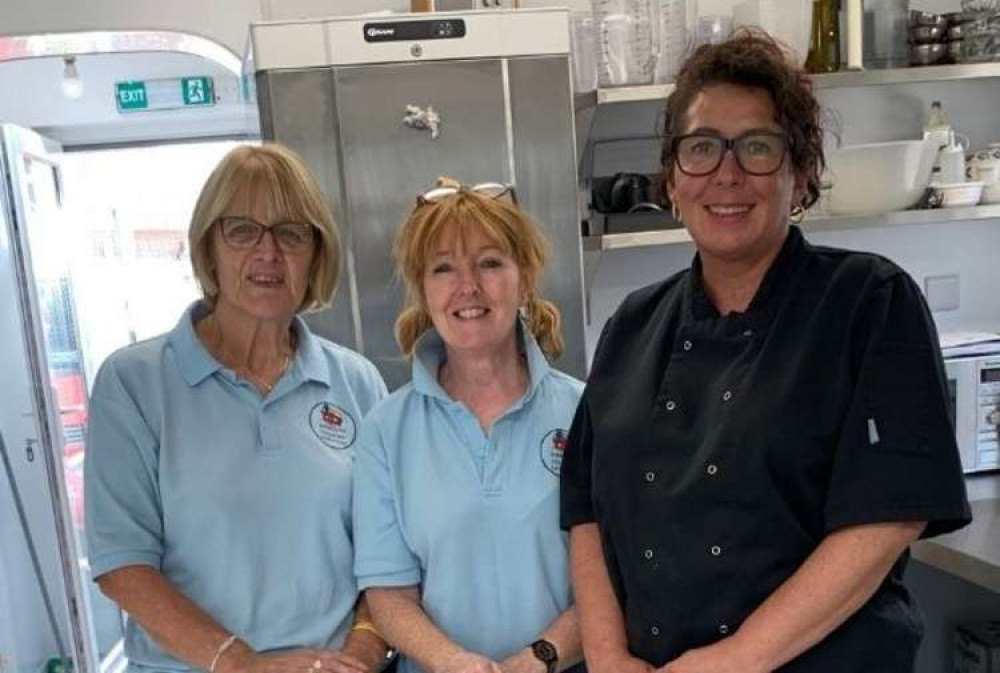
pixel 45 613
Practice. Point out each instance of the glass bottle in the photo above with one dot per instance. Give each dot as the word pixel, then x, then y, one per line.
pixel 937 124
pixel 824 43
pixel 938 128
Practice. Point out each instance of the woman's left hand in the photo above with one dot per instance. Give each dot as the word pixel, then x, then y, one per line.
pixel 724 656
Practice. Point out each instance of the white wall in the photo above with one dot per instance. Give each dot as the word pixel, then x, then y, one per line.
pixel 966 249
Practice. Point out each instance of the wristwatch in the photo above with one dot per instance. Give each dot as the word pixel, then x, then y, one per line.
pixel 546 653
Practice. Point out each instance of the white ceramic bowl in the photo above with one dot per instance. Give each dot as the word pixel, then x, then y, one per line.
pixel 960 194
pixel 879 177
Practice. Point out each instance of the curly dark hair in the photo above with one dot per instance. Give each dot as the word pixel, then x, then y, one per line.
pixel 752 58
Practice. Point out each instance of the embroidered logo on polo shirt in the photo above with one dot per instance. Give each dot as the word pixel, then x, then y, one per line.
pixel 553 446
pixel 334 426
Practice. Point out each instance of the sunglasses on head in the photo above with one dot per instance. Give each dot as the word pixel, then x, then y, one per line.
pixel 493 189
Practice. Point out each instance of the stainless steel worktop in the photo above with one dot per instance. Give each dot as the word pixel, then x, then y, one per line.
pixel 972 553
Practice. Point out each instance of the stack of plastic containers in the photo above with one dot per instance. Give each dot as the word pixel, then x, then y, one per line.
pixel 638 41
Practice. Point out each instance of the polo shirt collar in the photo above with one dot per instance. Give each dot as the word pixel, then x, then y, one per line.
pixel 310 357
pixel 197 364
pixel 429 353
pixel 770 292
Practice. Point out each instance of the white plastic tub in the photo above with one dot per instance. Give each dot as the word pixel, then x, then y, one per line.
pixel 879 177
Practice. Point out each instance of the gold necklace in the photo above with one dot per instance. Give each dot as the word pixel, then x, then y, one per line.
pixel 211 325
pixel 261 383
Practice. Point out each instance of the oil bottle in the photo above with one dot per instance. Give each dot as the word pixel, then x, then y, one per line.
pixel 824 40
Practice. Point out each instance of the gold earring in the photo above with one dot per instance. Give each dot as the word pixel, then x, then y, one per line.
pixel 797 215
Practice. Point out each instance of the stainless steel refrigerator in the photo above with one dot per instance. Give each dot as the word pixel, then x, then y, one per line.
pixel 381 106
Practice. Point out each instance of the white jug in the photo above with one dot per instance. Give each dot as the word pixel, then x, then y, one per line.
pixel 951 159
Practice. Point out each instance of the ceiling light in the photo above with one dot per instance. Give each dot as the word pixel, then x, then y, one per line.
pixel 72 87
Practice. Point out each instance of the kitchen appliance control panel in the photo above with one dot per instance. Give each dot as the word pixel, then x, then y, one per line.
pixel 974 387
pixel 410 31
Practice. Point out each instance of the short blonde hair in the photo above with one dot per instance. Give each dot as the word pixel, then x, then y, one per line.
pixel 500 221
pixel 276 176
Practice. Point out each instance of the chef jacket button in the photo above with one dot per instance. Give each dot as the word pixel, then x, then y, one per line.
pixel 655 630
pixel 723 629
pixel 687 345
pixel 648 554
pixel 748 332
pixel 726 396
pixel 716 550
pixel 650 476
pixel 712 469
pixel 671 405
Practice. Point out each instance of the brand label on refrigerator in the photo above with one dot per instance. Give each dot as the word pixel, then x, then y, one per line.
pixel 408 31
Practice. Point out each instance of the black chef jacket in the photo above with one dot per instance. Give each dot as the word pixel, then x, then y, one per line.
pixel 716 452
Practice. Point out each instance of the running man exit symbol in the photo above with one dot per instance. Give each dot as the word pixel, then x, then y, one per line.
pixel 197 91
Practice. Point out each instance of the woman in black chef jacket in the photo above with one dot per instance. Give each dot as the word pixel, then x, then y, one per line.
pixel 763 434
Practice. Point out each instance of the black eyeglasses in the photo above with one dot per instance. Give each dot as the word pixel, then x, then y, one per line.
pixel 757 152
pixel 494 189
pixel 245 232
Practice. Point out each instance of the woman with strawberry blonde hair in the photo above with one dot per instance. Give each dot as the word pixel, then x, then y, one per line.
pixel 456 488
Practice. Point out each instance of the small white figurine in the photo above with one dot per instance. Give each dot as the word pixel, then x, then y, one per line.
pixel 419 118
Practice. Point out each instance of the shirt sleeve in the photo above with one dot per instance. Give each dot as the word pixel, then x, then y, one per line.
pixel 896 457
pixel 124 522
pixel 382 557
pixel 576 505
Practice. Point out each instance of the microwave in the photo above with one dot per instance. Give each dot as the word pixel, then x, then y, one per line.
pixel 974 389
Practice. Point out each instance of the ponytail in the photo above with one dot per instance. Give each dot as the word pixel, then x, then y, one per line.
pixel 545 322
pixel 410 324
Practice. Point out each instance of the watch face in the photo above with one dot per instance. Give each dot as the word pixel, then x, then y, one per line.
pixel 545 652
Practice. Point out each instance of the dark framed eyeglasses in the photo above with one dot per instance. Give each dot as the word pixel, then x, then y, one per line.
pixel 245 232
pixel 494 189
pixel 757 152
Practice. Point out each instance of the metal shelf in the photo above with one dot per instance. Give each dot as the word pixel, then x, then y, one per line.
pixel 622 94
pixel 927 73
pixel 854 78
pixel 637 239
pixel 897 219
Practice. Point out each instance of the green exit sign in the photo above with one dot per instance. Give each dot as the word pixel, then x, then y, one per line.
pixel 197 91
pixel 164 94
pixel 131 96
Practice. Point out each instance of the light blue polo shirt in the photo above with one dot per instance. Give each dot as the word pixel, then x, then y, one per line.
pixel 472 518
pixel 242 502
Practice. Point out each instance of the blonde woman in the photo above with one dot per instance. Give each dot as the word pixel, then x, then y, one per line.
pixel 456 493
pixel 219 455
